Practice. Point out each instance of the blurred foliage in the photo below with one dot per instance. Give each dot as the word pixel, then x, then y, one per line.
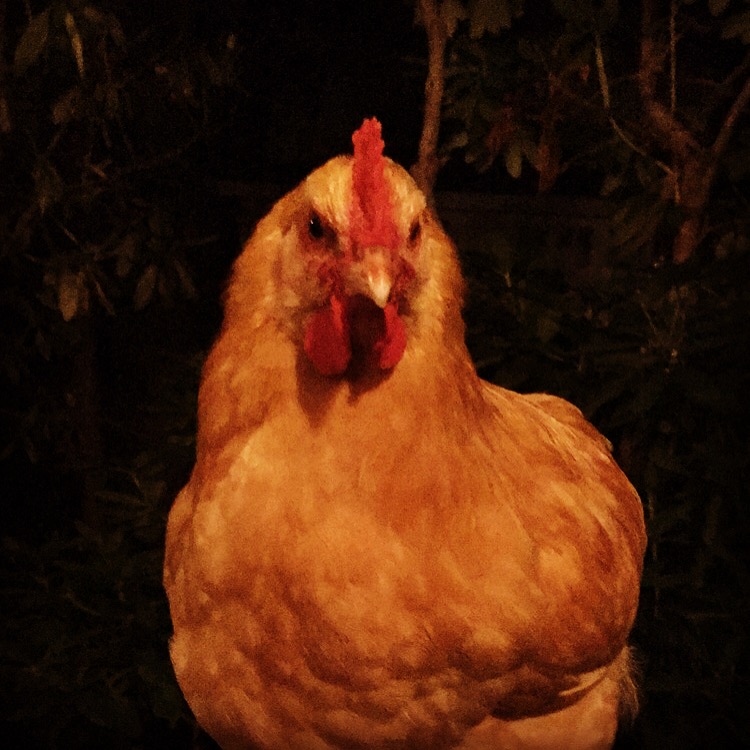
pixel 99 110
pixel 638 102
pixel 105 237
pixel 107 115
pixel 86 649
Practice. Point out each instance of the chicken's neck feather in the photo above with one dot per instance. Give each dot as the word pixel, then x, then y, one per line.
pixel 258 367
pixel 248 379
pixel 259 372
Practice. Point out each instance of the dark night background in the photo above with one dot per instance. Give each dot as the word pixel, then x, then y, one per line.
pixel 138 147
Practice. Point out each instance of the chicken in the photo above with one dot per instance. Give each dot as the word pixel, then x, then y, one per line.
pixel 376 548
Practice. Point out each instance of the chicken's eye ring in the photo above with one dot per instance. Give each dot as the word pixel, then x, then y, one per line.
pixel 315 227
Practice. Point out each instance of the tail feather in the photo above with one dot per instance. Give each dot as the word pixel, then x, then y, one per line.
pixel 629 677
pixel 588 724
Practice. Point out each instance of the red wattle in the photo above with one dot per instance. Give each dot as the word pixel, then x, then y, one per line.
pixel 389 349
pixel 354 327
pixel 327 340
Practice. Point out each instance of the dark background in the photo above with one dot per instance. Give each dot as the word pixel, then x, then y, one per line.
pixel 132 171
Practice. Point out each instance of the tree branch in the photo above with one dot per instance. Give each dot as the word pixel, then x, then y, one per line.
pixel 5 122
pixel 673 57
pixel 427 165
pixel 607 103
pixel 725 132
pixel 666 128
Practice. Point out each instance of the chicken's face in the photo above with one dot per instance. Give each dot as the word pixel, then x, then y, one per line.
pixel 353 257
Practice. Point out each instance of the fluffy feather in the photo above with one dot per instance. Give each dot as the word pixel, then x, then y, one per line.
pixel 382 550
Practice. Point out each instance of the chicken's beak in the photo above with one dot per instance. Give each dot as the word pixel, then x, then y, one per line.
pixel 379 285
pixel 372 276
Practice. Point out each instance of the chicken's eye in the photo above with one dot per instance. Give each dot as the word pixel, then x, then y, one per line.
pixel 415 231
pixel 315 227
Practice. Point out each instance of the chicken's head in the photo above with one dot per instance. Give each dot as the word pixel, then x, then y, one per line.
pixel 353 257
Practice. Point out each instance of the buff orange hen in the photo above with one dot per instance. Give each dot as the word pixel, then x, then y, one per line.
pixel 376 548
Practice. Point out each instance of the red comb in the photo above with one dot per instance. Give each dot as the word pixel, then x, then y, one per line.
pixel 372 212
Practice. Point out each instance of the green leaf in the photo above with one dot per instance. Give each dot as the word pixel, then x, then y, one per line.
pixel 584 14
pixel 611 183
pixel 717 7
pixel 144 290
pixel 69 295
pixel 94 16
pixel 48 184
pixel 186 283
pixel 115 30
pixel 76 43
pixel 457 141
pixel 32 42
pixel 571 10
pixel 102 297
pixel 738 25
pixel 488 16
pixel 125 253
pixel 67 106
pixel 546 328
pixel 528 148
pixel 451 12
pixel 109 710
pixel 514 159
pixel 165 697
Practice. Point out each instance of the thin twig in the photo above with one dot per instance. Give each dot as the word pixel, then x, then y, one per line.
pixel 673 58
pixel 606 101
pixel 672 134
pixel 725 132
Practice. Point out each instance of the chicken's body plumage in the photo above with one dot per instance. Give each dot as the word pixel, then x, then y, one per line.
pixel 401 556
